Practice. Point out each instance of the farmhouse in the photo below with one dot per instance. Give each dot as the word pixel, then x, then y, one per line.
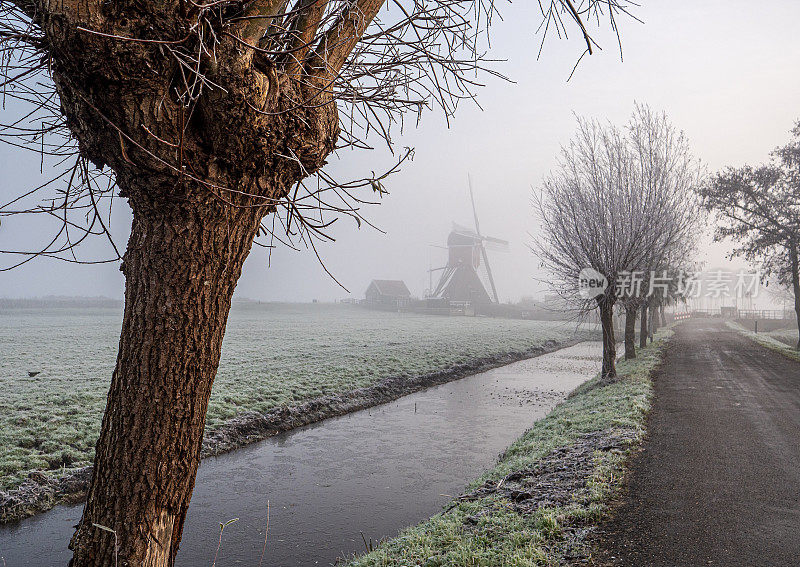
pixel 387 294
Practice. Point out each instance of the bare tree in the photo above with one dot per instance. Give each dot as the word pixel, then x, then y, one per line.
pixel 780 293
pixel 214 120
pixel 670 173
pixel 619 203
pixel 760 210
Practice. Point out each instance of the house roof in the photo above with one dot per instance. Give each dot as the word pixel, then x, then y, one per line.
pixel 394 288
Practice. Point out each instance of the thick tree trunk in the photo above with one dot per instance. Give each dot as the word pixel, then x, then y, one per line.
pixel 662 316
pixel 181 267
pixel 609 370
pixel 200 166
pixel 796 285
pixel 643 327
pixel 630 333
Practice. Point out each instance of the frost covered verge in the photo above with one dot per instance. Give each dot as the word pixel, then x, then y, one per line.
pixel 548 490
pixel 282 366
pixel 781 341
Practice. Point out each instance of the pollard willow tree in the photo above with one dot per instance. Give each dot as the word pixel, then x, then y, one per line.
pixel 759 209
pixel 620 202
pixel 668 174
pixel 209 118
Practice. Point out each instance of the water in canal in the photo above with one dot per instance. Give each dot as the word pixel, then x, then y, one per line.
pixel 371 472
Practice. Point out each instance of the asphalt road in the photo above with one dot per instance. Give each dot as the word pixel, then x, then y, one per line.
pixel 718 479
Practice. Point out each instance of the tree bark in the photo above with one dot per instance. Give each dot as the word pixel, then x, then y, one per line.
pixel 609 370
pixel 796 285
pixel 643 327
pixel 630 333
pixel 198 194
pixel 653 321
pixel 662 316
pixel 181 268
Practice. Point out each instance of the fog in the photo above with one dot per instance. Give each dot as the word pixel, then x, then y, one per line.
pixel 725 73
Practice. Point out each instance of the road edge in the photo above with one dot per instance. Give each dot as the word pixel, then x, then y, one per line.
pixel 766 341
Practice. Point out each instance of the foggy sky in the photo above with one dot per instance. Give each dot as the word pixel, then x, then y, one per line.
pixel 724 71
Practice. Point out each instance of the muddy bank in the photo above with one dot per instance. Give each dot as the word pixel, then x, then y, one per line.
pixel 562 478
pixel 41 492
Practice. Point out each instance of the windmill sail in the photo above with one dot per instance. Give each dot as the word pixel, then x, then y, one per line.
pixel 483 249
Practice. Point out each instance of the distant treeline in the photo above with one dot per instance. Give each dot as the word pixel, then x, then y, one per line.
pixel 59 301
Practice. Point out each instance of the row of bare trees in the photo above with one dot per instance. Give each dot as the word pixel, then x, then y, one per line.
pixel 622 204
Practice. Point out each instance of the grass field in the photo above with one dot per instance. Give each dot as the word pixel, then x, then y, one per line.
pixel 273 355
pixel 787 336
pixel 783 341
pixel 492 528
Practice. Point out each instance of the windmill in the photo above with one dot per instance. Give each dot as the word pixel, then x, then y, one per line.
pixel 466 254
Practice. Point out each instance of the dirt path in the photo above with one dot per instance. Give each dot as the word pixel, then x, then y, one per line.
pixel 718 480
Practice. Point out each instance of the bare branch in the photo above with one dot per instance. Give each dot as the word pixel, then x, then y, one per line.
pixel 303 32
pixel 339 41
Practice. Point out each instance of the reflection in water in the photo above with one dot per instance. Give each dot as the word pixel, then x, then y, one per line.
pixel 372 472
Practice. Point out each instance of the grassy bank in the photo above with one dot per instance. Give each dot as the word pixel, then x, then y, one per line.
pixel 775 340
pixel 274 356
pixel 536 506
